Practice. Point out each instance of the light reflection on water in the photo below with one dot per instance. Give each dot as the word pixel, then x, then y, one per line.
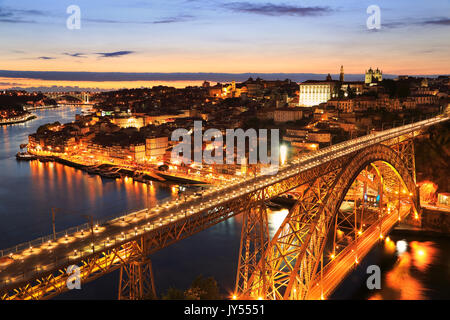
pixel 404 280
pixel 29 190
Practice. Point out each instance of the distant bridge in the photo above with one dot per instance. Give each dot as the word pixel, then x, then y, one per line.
pixel 315 247
pixel 81 96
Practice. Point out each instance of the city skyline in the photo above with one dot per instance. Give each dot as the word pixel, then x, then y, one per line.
pixel 103 81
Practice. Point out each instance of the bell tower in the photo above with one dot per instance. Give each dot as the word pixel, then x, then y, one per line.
pixel 341 75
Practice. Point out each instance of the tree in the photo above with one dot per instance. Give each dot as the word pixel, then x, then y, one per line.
pixel 194 293
pixel 433 156
pixel 200 289
pixel 174 294
pixel 205 288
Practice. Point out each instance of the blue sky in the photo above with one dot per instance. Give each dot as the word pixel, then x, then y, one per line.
pixel 225 36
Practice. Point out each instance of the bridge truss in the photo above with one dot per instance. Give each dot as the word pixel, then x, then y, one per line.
pixel 292 265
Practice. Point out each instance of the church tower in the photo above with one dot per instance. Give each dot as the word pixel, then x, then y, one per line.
pixel 341 76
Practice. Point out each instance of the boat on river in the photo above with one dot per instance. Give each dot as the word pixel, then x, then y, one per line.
pixel 25 156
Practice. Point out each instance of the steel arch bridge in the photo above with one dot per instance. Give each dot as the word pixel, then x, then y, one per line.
pixel 83 97
pixel 315 247
pixel 290 266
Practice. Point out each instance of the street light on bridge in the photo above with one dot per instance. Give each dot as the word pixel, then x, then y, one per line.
pixel 54 210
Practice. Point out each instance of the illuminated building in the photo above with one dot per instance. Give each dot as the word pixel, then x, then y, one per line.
pixel 344 105
pixel 227 90
pixel 373 76
pixel 127 122
pixel 313 93
pixel 117 153
pixel 287 114
pixel 444 199
pixel 137 152
pixel 156 147
pixel 322 137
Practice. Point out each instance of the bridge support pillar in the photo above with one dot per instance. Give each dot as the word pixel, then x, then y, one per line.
pixel 137 281
pixel 254 242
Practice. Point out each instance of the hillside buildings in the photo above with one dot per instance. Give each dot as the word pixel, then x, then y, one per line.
pixel 315 92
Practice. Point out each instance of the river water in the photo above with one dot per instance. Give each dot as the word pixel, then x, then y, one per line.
pixel 29 191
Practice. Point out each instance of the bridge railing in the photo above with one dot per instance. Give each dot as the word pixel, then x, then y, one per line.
pixel 72 230
pixel 360 142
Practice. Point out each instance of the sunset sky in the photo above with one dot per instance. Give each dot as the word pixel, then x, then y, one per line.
pixel 265 36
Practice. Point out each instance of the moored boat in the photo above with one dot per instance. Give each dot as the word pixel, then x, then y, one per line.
pixel 24 156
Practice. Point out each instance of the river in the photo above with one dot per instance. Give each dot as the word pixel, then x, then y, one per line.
pixel 29 191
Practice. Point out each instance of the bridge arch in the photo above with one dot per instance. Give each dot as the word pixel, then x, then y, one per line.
pixel 296 251
pixel 375 155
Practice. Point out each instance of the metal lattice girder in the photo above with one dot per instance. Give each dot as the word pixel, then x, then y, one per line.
pixel 376 153
pixel 301 235
pixel 254 241
pixel 406 151
pixel 382 156
pixel 297 248
pixel 347 225
pixel 54 283
pixel 297 232
pixel 404 146
pixel 136 280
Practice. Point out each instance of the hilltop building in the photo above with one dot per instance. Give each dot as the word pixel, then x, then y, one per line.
pixel 373 76
pixel 315 92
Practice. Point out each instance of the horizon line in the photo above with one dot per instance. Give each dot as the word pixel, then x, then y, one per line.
pixel 96 76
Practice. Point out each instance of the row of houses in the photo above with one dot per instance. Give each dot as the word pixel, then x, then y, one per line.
pixel 364 103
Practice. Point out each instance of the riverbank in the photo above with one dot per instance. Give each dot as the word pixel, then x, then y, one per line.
pixel 110 171
pixel 40 107
pixel 16 120
pixel 407 231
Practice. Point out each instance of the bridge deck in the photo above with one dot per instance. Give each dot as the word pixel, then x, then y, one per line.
pixel 335 271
